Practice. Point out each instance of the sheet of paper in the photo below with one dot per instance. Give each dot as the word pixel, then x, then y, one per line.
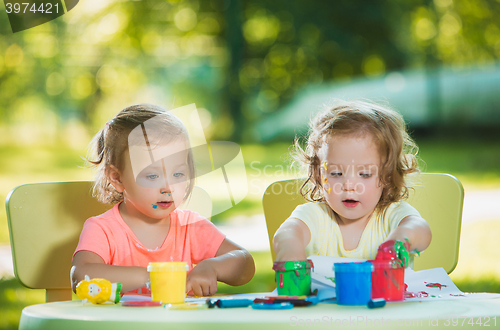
pixel 432 284
pixel 324 265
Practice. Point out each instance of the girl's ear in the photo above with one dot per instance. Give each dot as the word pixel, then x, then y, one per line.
pixel 114 177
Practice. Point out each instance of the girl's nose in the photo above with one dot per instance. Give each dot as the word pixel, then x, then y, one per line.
pixel 166 192
pixel 348 185
pixel 167 189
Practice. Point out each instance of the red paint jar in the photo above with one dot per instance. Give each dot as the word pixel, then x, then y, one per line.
pixel 388 280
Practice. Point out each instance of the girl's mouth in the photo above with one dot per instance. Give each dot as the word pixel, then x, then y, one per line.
pixel 350 203
pixel 164 204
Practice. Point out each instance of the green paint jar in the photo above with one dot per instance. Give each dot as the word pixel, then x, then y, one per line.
pixel 293 278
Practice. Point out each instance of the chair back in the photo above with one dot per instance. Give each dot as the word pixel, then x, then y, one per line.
pixel 45 221
pixel 438 197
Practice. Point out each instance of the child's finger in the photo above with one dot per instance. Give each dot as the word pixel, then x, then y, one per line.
pixel 198 290
pixel 213 288
pixel 208 289
pixel 205 290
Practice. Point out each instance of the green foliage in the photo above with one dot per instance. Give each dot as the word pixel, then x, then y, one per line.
pixel 473 161
pixel 484 284
pixel 263 281
pixel 241 62
pixel 13 298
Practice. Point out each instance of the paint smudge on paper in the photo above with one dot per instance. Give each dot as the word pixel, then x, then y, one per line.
pixel 434 285
pixel 419 294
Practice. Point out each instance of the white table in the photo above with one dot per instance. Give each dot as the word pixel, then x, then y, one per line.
pixel 436 314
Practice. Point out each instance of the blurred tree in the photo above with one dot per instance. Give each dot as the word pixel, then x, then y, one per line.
pixel 236 46
pixel 295 43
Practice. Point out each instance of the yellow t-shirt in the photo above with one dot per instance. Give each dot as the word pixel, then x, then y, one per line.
pixel 326 238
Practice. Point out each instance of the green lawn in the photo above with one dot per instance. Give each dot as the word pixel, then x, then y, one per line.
pixel 13 298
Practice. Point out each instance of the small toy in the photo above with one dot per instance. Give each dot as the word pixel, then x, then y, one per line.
pixel 98 290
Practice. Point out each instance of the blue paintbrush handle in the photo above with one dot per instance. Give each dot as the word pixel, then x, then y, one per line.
pixel 229 303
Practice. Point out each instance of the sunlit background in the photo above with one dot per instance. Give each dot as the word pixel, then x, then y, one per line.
pixel 257 71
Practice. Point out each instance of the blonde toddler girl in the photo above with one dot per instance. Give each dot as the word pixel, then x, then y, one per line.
pixel 357 158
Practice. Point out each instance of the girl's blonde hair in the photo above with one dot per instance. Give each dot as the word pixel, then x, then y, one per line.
pixel 396 148
pixel 111 142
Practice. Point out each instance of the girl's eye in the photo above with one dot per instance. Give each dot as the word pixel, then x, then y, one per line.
pixel 336 174
pixel 152 176
pixel 178 174
pixel 365 175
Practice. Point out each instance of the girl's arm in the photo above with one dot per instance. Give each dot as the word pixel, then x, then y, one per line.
pixel 291 239
pixel 89 263
pixel 416 230
pixel 232 265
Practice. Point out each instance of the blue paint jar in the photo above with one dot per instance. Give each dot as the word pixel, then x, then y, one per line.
pixel 353 282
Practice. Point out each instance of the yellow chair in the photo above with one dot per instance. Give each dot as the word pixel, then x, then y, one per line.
pixel 45 221
pixel 438 197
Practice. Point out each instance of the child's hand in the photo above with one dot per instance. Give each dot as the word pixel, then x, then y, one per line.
pixel 202 279
pixel 394 250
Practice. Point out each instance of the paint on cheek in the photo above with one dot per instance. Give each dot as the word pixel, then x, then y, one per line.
pixel 324 165
pixel 155 206
pixel 327 187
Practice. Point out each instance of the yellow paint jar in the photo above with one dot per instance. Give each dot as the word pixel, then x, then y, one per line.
pixel 168 281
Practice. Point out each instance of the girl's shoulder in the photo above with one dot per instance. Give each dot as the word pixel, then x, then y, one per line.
pixel 400 206
pixel 314 208
pixel 398 211
pixel 109 217
pixel 188 217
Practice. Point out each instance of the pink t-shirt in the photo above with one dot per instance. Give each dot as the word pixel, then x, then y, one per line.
pixel 191 239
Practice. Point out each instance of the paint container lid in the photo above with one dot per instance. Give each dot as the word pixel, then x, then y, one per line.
pixel 376 303
pixel 167 267
pixel 292 265
pixel 385 264
pixel 353 267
